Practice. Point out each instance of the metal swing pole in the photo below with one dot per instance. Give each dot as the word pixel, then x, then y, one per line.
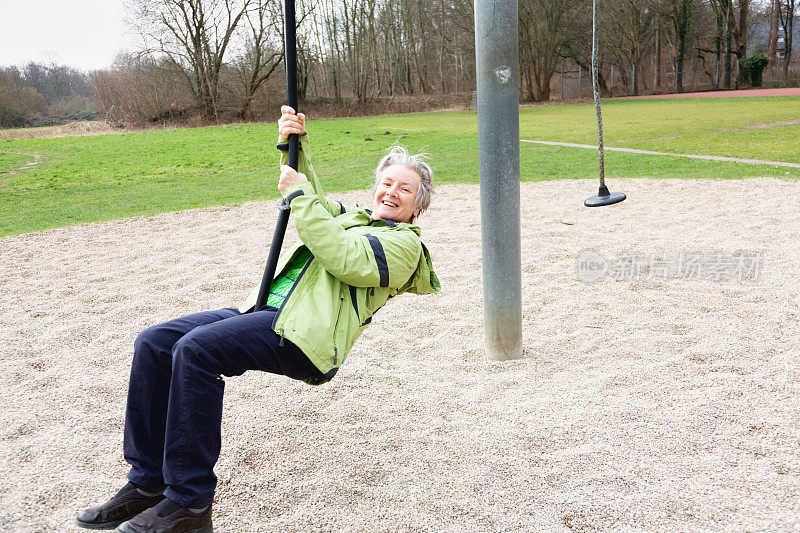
pixel 290 59
pixel 497 67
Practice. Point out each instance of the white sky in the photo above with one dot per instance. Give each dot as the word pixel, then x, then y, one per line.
pixel 85 34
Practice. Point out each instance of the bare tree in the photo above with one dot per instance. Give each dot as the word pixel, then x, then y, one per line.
pixel 724 12
pixel 356 18
pixel 140 90
pixel 680 15
pixel 772 40
pixel 719 36
pixel 195 35
pixel 626 34
pixel 542 42
pixel 732 26
pixel 366 49
pixel 740 36
pixel 19 101
pixel 261 52
pixel 786 15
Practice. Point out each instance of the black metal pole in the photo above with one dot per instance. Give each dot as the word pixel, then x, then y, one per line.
pixel 290 51
pixel 290 59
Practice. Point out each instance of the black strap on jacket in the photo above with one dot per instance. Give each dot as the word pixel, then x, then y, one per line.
pixel 380 259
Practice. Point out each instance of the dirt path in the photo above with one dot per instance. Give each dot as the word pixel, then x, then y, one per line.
pixel 27 166
pixel 651 152
pixel 790 91
pixel 71 129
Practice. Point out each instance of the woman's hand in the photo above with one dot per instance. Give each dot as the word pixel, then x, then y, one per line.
pixel 291 122
pixel 289 177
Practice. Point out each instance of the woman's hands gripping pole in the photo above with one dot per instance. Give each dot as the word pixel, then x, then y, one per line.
pixel 290 123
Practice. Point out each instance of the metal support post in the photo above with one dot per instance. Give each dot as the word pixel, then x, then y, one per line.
pixel 497 70
pixel 655 76
pixel 675 71
pixel 611 89
pixel 696 77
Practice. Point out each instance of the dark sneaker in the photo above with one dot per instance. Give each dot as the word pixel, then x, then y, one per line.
pixel 169 517
pixel 124 505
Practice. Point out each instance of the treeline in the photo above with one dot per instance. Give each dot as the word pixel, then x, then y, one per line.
pixel 212 60
pixel 40 95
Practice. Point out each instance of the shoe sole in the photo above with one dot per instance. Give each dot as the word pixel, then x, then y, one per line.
pixel 209 528
pixel 105 525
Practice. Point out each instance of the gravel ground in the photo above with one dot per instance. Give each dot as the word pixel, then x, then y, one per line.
pixel 647 400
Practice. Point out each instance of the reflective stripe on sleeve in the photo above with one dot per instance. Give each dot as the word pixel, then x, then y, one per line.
pixel 380 259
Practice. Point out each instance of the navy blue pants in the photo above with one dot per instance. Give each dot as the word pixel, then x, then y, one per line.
pixel 174 413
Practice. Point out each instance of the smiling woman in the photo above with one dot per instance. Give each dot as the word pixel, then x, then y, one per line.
pixel 395 194
pixel 403 185
pixel 347 265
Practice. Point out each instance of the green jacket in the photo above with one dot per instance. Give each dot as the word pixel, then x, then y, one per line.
pixel 356 265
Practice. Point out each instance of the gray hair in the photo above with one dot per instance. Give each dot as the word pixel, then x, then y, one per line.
pixel 398 155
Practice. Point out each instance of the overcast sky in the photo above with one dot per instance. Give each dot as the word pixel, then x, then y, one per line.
pixel 85 34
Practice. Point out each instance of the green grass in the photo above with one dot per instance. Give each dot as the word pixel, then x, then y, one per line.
pixel 11 162
pixel 698 125
pixel 84 179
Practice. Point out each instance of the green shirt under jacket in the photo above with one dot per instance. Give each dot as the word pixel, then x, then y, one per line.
pixel 356 265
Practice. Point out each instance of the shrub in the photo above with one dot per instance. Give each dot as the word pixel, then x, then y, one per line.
pixel 19 102
pixel 138 91
pixel 41 122
pixel 753 67
pixel 86 114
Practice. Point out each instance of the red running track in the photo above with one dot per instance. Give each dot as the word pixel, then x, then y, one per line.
pixel 789 91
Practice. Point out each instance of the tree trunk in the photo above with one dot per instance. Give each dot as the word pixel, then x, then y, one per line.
pixel 718 39
pixel 787 20
pixel 442 25
pixel 728 14
pixel 682 35
pixel 542 87
pixel 789 30
pixel 772 41
pixel 741 41
pixel 657 67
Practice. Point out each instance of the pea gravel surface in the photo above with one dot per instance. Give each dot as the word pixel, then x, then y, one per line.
pixel 661 396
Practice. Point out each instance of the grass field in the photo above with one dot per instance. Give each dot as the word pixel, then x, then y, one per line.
pixel 9 162
pixel 84 179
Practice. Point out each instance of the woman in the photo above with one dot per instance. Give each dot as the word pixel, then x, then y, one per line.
pixel 348 264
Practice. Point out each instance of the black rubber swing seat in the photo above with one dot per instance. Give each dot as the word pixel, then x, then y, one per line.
pixel 603 197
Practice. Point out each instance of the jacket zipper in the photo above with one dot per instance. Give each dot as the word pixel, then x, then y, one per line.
pixel 335 327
